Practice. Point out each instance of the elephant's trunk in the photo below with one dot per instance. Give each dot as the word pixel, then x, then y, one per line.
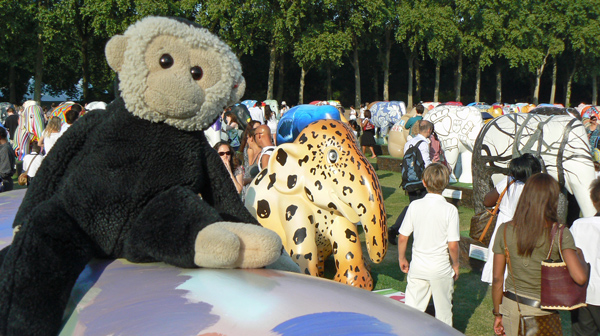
pixel 367 207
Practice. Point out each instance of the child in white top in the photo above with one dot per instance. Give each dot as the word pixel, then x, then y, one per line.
pixel 436 237
pixel 586 233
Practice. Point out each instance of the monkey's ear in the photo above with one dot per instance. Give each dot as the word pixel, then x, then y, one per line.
pixel 115 49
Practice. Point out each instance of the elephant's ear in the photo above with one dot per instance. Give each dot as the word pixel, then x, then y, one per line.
pixel 287 168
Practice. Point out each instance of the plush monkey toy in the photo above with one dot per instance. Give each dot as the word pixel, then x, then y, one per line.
pixel 137 180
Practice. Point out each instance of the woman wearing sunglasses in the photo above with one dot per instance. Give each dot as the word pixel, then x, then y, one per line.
pixel 236 171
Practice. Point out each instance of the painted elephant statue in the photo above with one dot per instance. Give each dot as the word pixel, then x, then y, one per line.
pixel 31 127
pixel 553 110
pixel 457 128
pixel 298 117
pixel 560 141
pixel 398 134
pixel 386 114
pixel 313 193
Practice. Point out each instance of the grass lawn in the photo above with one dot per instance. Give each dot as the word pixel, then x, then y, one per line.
pixel 472 298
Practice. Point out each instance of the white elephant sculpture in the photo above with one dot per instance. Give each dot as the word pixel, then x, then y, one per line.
pixel 560 141
pixel 457 128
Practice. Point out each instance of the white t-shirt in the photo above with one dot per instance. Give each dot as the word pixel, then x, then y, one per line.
pixel 272 123
pixel 586 233
pixel 50 140
pixel 31 163
pixel 423 147
pixel 432 231
pixel 256 113
pixel 267 150
pixel 506 211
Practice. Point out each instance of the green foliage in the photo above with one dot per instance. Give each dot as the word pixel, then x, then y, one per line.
pixel 319 34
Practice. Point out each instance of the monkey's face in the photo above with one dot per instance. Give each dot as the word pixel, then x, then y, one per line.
pixel 178 76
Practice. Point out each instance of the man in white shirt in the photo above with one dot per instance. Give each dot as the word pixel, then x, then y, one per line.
pixel 32 161
pixel 256 113
pixel 586 233
pixel 425 130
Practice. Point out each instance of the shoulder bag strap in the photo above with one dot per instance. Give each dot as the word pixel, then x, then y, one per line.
pixel 27 170
pixel 510 269
pixel 552 235
pixel 494 213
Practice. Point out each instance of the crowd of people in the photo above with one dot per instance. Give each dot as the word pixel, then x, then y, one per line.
pixel 53 128
pixel 527 213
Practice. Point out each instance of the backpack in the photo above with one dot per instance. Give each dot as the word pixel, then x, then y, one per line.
pixel 412 168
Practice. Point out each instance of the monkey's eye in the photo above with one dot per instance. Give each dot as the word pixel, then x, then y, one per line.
pixel 332 155
pixel 196 72
pixel 166 61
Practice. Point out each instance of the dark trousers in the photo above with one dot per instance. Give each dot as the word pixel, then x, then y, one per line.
pixel 586 320
pixel 7 183
pixel 412 196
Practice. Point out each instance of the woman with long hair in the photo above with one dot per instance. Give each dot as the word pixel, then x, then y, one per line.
pixel 232 126
pixel 271 121
pixel 50 134
pixel 251 154
pixel 235 170
pixel 528 238
pixel 368 137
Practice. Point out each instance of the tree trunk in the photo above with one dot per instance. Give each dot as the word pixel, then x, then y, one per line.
pixel 594 90
pixel 538 76
pixel 85 63
pixel 458 79
pixel 411 63
pixel 554 73
pixel 386 65
pixel 498 83
pixel 357 98
pixel 272 65
pixel 328 81
pixel 39 70
pixel 569 82
pixel 477 81
pixel 418 80
pixel 436 89
pixel 281 78
pixel 12 85
pixel 376 84
pixel 301 92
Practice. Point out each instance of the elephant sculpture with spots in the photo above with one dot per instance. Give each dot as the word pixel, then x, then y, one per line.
pixel 560 141
pixel 313 193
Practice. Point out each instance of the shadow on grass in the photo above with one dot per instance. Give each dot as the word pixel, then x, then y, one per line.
pixel 468 295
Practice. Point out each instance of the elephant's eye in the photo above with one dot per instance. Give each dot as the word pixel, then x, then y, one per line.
pixel 166 61
pixel 332 155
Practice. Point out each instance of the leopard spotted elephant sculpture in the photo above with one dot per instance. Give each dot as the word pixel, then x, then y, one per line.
pixel 313 193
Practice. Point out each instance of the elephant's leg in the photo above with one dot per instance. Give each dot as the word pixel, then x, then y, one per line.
pixel 300 235
pixel 324 251
pixel 451 152
pixel 39 270
pixel 347 251
pixel 578 176
pixel 466 176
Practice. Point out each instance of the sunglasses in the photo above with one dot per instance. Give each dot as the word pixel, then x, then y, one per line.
pixel 225 153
